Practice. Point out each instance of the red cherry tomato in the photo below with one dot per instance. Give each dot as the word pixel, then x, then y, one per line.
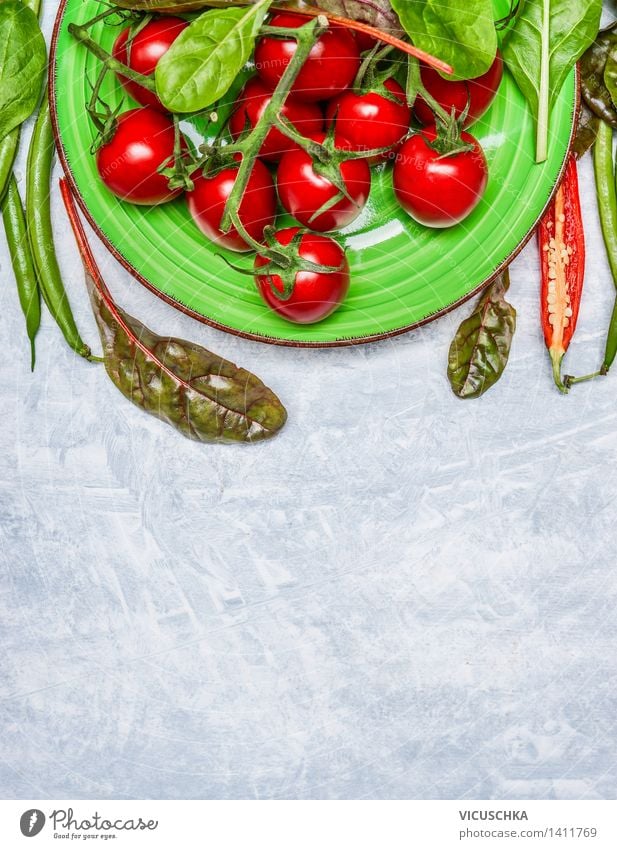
pixel 330 68
pixel 371 120
pixel 257 209
pixel 438 190
pixel 316 294
pixel 128 164
pixel 364 41
pixel 250 105
pixel 303 191
pixel 144 52
pixel 448 93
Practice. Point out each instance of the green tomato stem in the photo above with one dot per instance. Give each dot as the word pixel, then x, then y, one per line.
pixel 100 17
pixel 112 64
pixel 415 87
pixel 237 223
pixel 305 36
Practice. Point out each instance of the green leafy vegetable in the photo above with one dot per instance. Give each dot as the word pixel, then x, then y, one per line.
pixel 586 132
pixel 179 6
pixel 460 32
pixel 541 49
pixel 202 395
pixel 23 59
pixel 593 87
pixel 479 351
pixel 610 74
pixel 205 59
pixel 377 13
pixel 205 397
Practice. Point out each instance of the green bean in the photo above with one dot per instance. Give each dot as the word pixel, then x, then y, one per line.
pixel 38 216
pixel 21 258
pixel 611 339
pixel 611 342
pixel 10 143
pixel 8 151
pixel 606 190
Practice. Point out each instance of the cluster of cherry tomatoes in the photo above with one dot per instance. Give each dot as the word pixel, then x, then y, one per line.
pixel 438 187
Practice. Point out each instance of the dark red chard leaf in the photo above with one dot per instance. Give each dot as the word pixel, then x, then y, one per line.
pixel 479 352
pixel 204 396
pixel 377 13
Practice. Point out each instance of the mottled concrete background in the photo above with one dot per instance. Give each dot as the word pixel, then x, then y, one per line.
pixel 402 596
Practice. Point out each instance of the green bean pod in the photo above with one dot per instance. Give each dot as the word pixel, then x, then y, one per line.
pixel 611 339
pixel 611 342
pixel 21 258
pixel 38 217
pixel 606 190
pixel 8 152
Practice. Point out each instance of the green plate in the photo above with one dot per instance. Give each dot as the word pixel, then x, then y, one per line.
pixel 403 274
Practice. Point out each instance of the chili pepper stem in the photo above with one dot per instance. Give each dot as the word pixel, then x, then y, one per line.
pixel 557 356
pixel 569 380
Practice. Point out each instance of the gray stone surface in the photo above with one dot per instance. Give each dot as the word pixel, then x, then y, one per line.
pixel 402 596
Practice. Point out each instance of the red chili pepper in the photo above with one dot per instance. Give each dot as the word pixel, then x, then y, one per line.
pixel 562 258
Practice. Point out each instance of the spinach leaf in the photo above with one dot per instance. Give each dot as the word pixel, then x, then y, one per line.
pixel 207 56
pixel 479 352
pixel 541 49
pixel 461 32
pixel 23 59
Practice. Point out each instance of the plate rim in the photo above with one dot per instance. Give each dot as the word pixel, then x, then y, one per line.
pixel 260 337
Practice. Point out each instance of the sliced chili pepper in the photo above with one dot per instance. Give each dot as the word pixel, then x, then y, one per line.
pixel 562 258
